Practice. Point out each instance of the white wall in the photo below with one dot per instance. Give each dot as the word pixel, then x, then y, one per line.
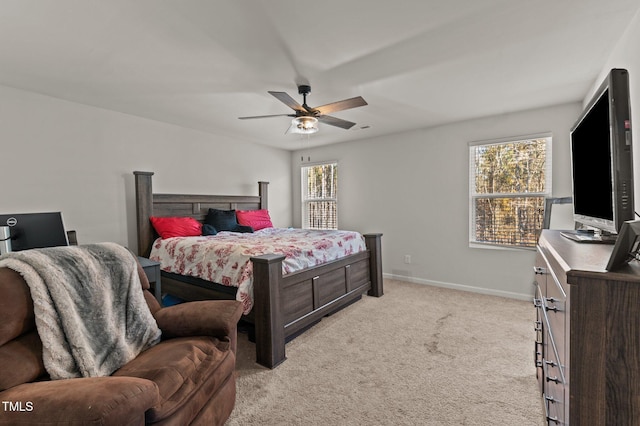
pixel 413 187
pixel 63 156
pixel 626 54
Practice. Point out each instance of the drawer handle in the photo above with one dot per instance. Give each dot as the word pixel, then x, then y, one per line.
pixel 550 399
pixel 537 354
pixel 551 363
pixel 553 419
pixel 553 379
pixel 537 326
pixel 537 302
pixel 550 308
pixel 538 270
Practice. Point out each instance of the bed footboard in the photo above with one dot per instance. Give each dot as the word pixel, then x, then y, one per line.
pixel 268 315
pixel 285 306
pixel 374 245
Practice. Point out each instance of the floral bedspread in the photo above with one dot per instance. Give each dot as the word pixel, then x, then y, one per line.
pixel 224 258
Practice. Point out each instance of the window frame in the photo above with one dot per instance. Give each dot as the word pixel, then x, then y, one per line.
pixel 473 195
pixel 306 201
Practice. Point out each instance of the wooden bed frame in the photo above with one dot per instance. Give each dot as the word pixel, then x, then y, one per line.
pixel 284 306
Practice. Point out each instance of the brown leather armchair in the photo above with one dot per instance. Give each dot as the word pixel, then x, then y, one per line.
pixel 188 378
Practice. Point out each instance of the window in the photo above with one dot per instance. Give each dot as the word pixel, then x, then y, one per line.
pixel 509 181
pixel 319 196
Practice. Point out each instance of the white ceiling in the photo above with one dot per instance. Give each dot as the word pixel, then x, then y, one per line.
pixel 203 63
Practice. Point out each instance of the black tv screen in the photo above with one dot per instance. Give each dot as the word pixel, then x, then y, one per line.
pixel 601 157
pixel 35 230
pixel 592 170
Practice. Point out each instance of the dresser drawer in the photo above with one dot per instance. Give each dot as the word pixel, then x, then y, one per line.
pixel 554 407
pixel 554 304
pixel 553 383
pixel 552 367
pixel 538 346
pixel 540 273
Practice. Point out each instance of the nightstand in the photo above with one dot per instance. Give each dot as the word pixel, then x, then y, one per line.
pixel 152 270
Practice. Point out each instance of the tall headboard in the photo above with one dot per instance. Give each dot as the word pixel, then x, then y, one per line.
pixel 197 206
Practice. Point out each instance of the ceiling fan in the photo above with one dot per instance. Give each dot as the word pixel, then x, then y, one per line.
pixel 306 118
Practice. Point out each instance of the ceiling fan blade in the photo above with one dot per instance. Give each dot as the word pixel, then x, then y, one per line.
pixel 334 121
pixel 287 100
pixel 267 116
pixel 358 101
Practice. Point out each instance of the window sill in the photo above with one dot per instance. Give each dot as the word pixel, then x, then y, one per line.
pixel 487 246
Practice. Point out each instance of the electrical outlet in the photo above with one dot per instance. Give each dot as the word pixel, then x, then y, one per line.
pixel 407 258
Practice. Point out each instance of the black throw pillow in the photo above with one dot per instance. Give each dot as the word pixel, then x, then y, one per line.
pixel 208 229
pixel 225 220
pixel 222 220
pixel 243 229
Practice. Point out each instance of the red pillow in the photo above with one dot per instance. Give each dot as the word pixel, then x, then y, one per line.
pixel 168 227
pixel 257 219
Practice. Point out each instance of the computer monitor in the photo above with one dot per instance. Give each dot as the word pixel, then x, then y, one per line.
pixel 35 230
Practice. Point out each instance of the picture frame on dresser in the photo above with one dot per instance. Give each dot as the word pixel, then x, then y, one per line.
pixel 627 245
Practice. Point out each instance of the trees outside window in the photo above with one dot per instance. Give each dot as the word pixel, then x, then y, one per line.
pixel 509 181
pixel 320 196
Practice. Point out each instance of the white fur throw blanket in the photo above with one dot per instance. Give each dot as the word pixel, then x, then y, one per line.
pixel 89 307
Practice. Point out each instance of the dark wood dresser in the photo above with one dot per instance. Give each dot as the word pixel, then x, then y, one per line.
pixel 587 348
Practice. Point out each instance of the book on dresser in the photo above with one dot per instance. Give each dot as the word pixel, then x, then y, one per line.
pixel 587 346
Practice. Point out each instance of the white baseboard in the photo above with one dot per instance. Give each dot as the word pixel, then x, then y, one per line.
pixel 462 287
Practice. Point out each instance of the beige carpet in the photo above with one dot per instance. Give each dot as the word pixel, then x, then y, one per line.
pixel 419 355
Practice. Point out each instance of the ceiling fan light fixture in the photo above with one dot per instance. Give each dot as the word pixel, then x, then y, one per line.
pixel 304 125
